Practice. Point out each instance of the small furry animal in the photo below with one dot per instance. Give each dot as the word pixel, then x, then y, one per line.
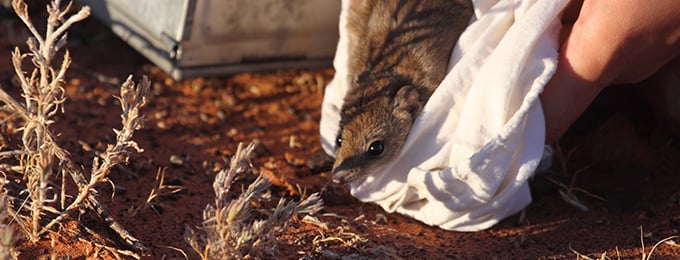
pixel 398 55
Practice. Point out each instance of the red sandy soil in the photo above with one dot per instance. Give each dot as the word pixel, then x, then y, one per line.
pixel 615 152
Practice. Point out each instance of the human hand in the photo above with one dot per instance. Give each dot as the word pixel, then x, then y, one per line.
pixel 606 42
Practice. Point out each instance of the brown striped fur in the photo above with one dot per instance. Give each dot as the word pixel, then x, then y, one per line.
pixel 398 55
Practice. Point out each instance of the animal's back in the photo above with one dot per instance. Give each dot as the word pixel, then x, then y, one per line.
pixel 398 55
pixel 407 41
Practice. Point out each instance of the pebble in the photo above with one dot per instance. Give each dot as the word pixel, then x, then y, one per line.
pixel 204 117
pixel 176 160
pixel 221 115
pixel 161 125
pixel 232 132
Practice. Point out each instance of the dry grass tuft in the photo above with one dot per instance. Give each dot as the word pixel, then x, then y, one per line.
pixel 568 192
pixel 162 189
pixel 8 234
pixel 644 255
pixel 230 228
pixel 39 165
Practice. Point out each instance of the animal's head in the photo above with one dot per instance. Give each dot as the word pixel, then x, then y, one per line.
pixel 372 134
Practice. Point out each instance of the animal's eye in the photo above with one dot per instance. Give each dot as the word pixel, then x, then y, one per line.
pixel 376 148
pixel 338 142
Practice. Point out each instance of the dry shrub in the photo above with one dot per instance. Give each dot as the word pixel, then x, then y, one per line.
pixel 39 165
pixel 229 228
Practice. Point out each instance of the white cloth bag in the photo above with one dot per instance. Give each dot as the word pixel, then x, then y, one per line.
pixel 466 163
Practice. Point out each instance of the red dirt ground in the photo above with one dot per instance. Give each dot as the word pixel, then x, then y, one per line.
pixel 615 152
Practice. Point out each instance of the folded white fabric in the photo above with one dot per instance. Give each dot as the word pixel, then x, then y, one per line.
pixel 470 153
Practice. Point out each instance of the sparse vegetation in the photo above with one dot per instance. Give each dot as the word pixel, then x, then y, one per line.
pixel 568 192
pixel 230 230
pixel 42 165
pixel 644 255
pixel 161 189
pixel 198 121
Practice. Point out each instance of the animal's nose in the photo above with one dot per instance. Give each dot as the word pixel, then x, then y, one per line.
pixel 346 169
pixel 338 180
pixel 339 175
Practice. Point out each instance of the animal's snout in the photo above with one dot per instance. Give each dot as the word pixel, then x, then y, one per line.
pixel 339 175
pixel 338 179
pixel 345 172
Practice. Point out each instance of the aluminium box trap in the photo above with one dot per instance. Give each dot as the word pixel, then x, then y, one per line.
pixel 189 38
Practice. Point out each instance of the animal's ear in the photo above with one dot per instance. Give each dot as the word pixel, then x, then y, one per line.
pixel 405 102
